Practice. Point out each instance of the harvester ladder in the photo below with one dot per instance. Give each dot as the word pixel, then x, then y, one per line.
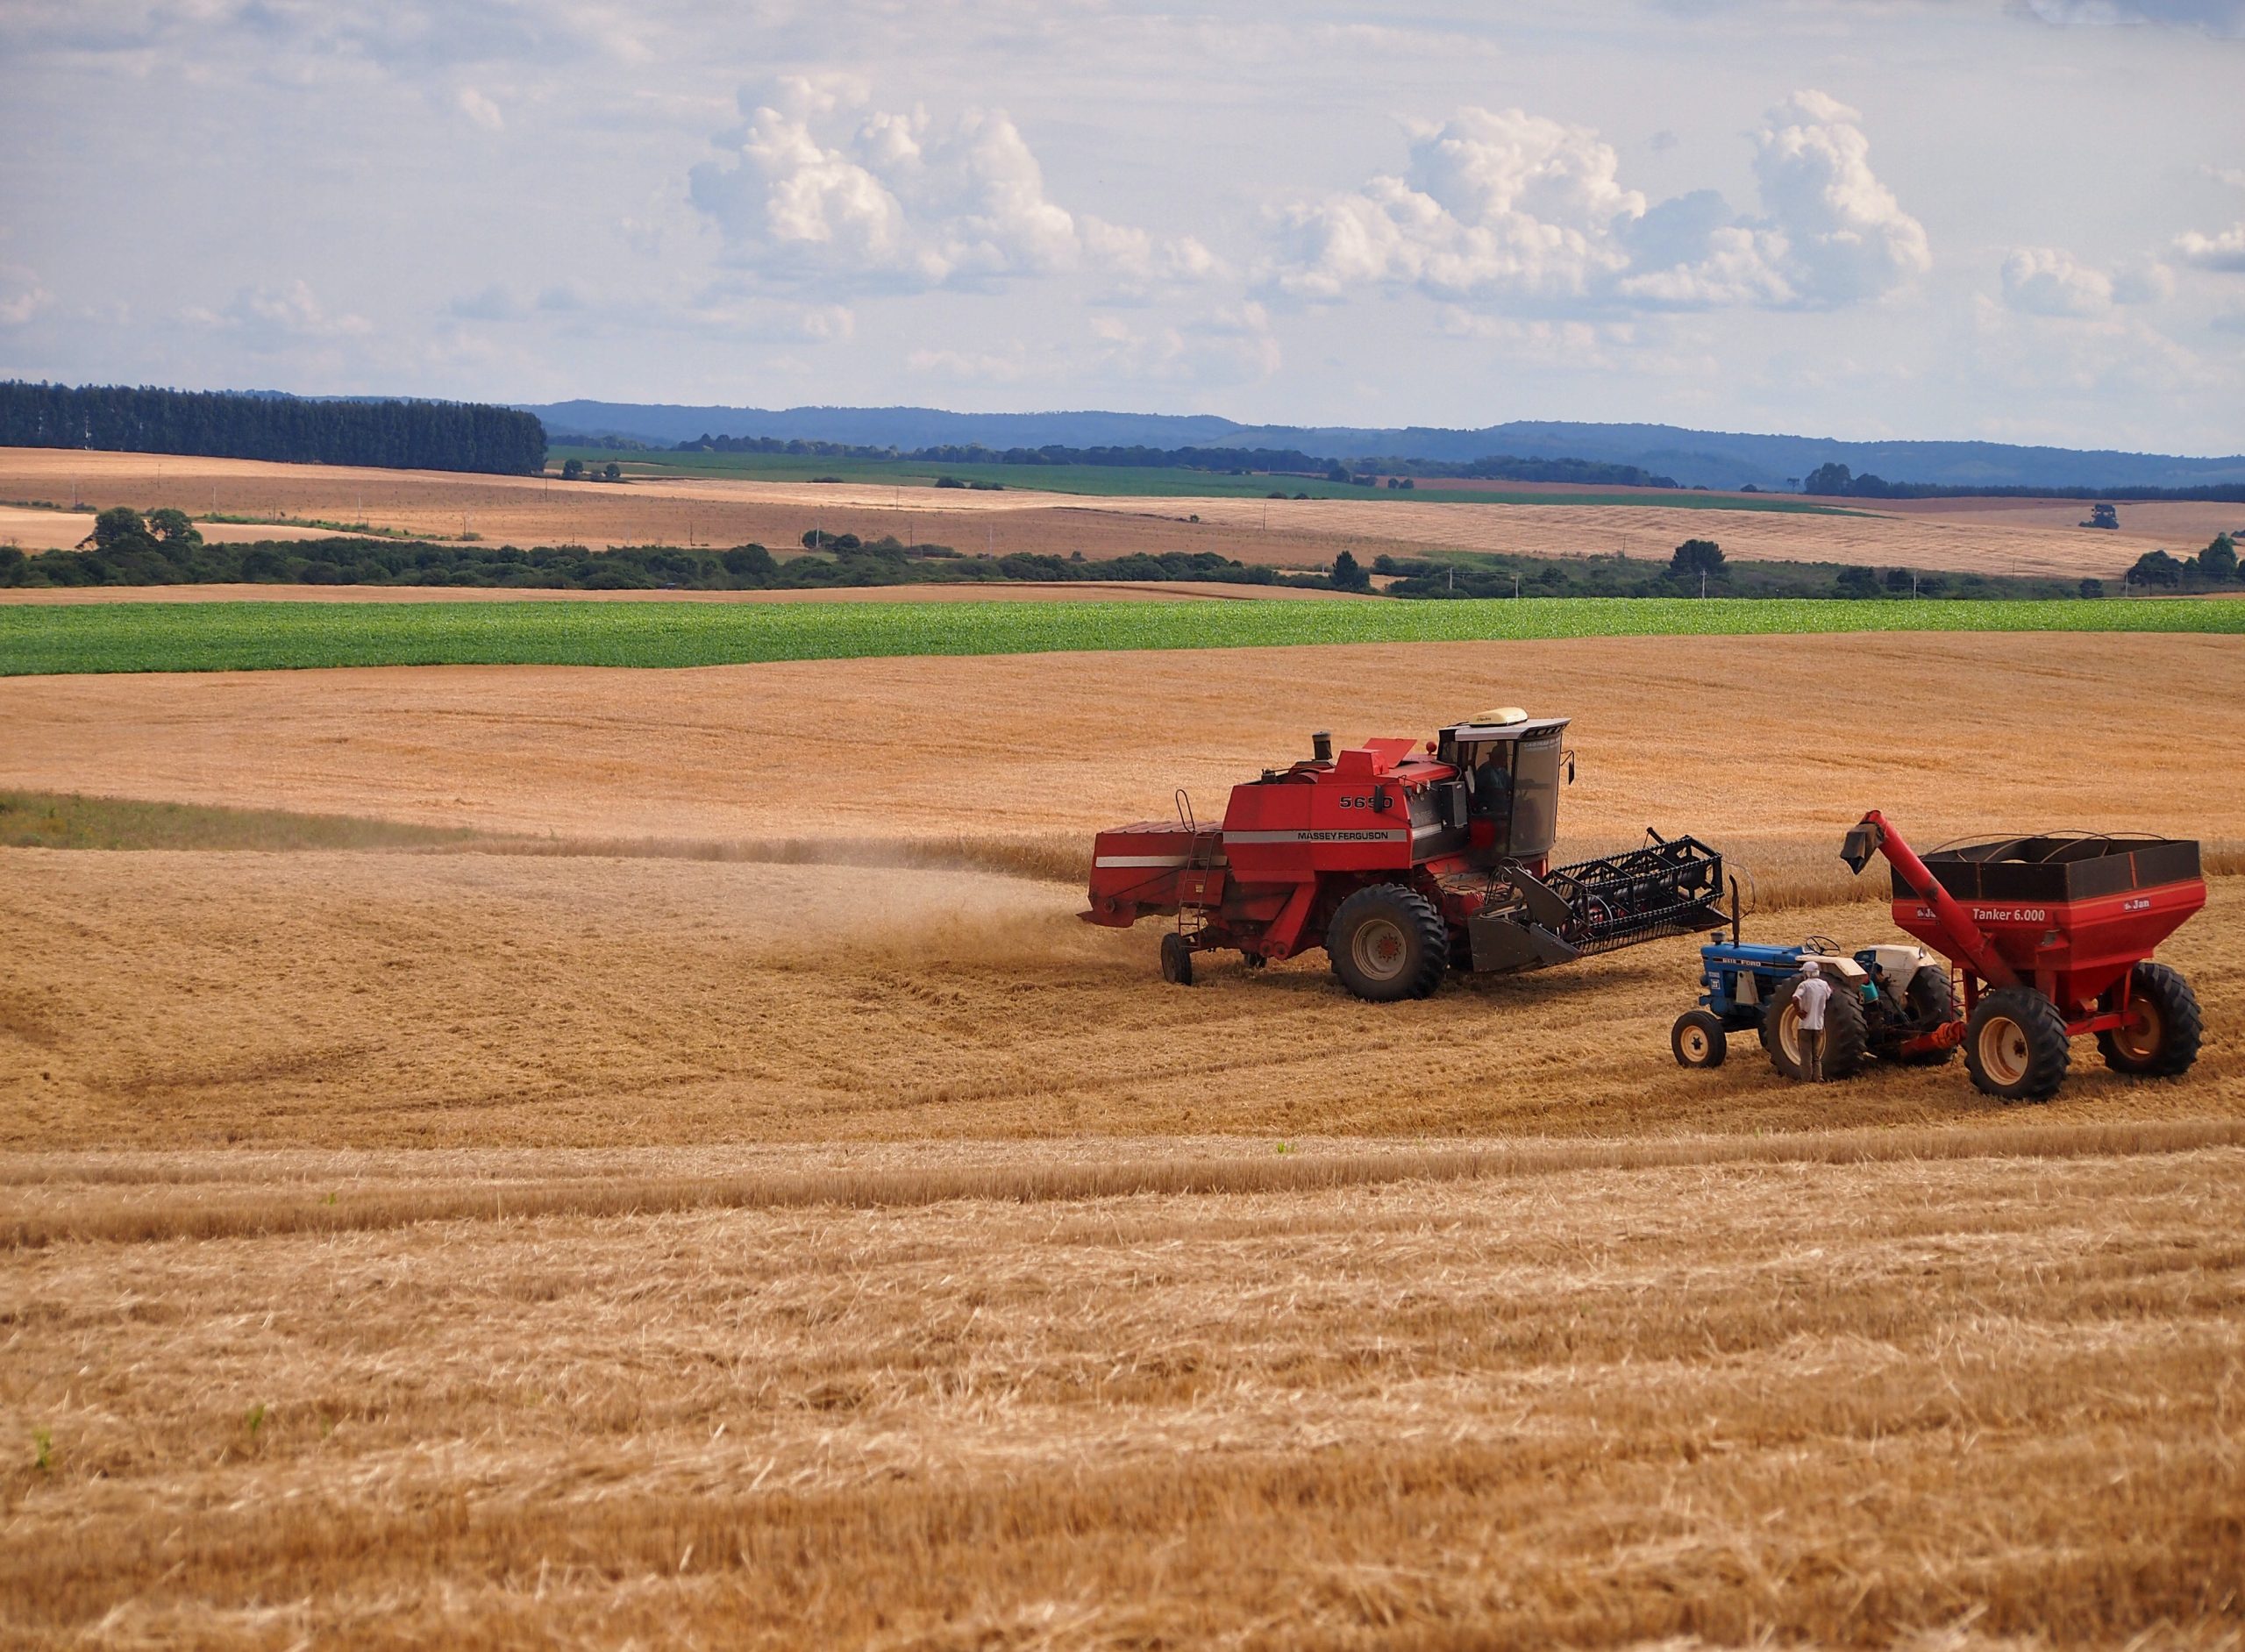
pixel 1192 910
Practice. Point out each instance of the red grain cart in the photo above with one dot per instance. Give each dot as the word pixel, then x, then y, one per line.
pixel 2053 935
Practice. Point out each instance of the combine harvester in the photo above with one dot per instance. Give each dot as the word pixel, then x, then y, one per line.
pixel 1403 862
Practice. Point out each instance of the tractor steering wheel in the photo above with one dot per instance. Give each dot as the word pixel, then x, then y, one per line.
pixel 1824 945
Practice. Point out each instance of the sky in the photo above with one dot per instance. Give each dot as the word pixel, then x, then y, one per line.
pixel 2018 220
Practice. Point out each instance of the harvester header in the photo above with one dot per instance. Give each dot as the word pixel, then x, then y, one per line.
pixel 1402 859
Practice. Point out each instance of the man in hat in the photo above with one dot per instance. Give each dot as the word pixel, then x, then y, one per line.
pixel 1809 998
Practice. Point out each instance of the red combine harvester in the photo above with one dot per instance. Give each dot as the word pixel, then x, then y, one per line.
pixel 1403 863
pixel 2053 936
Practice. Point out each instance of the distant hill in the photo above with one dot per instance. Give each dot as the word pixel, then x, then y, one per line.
pixel 1712 459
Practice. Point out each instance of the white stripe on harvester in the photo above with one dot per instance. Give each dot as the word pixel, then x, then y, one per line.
pixel 1140 860
pixel 1314 835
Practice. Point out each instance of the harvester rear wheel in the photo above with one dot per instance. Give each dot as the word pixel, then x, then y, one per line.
pixel 1847 1038
pixel 1932 1002
pixel 1388 942
pixel 2161 1036
pixel 1698 1039
pixel 1176 960
pixel 2015 1045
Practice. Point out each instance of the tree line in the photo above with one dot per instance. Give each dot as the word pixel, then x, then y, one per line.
pixel 1837 481
pixel 163 547
pixel 1285 461
pixel 397 435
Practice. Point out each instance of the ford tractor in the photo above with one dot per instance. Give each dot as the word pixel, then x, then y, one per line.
pixel 1888 1003
pixel 1403 861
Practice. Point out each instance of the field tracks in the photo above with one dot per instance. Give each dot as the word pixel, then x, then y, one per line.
pixel 90 1200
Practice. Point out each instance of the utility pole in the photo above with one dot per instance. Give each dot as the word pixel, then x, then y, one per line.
pixel 1516 585
pixel 1703 585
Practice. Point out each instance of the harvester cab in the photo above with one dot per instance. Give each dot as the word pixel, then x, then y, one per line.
pixel 1402 861
pixel 1509 769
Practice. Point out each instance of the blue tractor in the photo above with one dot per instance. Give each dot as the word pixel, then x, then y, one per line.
pixel 1888 1003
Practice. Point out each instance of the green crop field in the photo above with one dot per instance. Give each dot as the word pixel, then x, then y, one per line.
pixel 1111 480
pixel 39 640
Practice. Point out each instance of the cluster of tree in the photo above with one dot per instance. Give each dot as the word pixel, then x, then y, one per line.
pixel 2214 568
pixel 574 470
pixel 164 549
pixel 1219 459
pixel 1504 467
pixel 1697 565
pixel 1837 481
pixel 225 424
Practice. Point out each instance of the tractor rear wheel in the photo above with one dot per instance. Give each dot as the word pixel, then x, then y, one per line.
pixel 1387 943
pixel 1698 1039
pixel 2015 1045
pixel 2161 1035
pixel 1847 1038
pixel 1932 1002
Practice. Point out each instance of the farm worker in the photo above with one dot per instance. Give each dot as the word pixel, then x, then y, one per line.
pixel 1810 998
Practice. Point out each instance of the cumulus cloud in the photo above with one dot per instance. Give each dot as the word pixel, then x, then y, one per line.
pixel 2043 280
pixel 1227 346
pixel 815 188
pixel 21 296
pixel 267 316
pixel 2222 251
pixel 2222 18
pixel 480 109
pixel 1515 205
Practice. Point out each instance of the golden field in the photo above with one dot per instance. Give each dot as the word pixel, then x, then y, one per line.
pixel 732 1201
pixel 1995 537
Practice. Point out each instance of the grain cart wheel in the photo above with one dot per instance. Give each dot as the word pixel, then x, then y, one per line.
pixel 2015 1045
pixel 1176 960
pixel 2160 1038
pixel 1699 1040
pixel 1388 942
pixel 1846 1039
pixel 1932 1002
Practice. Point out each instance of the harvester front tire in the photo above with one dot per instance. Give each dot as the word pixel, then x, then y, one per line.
pixel 1176 960
pixel 2015 1045
pixel 1699 1040
pixel 1847 1038
pixel 1932 1002
pixel 1388 942
pixel 2164 1027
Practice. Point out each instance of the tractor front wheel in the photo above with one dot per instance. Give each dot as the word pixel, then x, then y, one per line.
pixel 2161 1030
pixel 1387 943
pixel 2015 1045
pixel 1847 1036
pixel 1699 1040
pixel 1176 960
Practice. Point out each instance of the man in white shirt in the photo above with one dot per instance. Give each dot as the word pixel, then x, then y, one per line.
pixel 1809 998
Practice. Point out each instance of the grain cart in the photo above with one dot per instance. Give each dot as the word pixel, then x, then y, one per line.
pixel 2053 936
pixel 1403 862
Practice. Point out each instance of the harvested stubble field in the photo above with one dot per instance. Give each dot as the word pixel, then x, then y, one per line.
pixel 758 1213
pixel 526 510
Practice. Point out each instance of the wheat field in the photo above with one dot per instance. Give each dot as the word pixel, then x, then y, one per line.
pixel 1973 537
pixel 723 1197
